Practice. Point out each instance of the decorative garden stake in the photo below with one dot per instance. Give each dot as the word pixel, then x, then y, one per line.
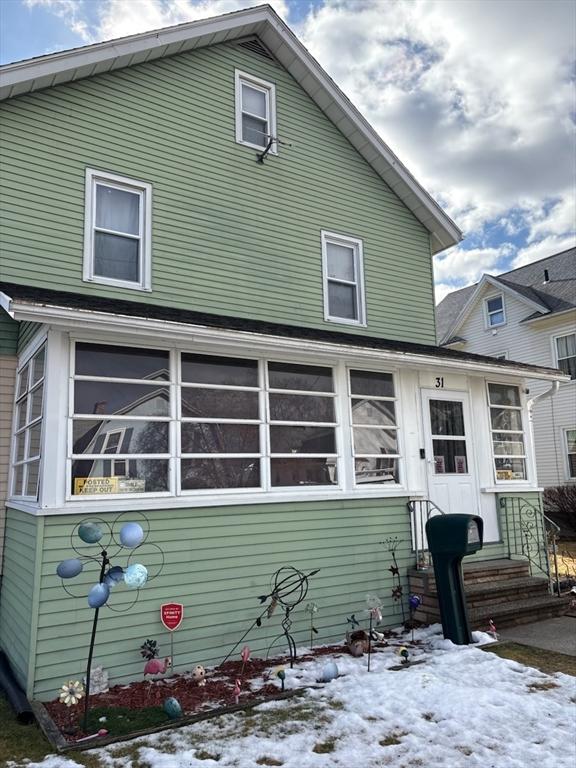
pixel 171 615
pixel 70 694
pixel 312 608
pixel 237 687
pixel 117 537
pixel 414 602
pixel 404 655
pixel 375 615
pixel 245 656
pixel 281 675
pixel 391 544
pixel 492 630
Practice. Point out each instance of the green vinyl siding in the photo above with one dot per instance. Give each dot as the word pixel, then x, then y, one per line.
pixel 218 561
pixel 230 235
pixel 18 598
pixel 8 334
pixel 27 332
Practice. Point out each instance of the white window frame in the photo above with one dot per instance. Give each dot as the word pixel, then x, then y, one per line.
pixel 269 90
pixel 488 314
pixel 503 355
pixel 357 245
pixel 556 357
pixel 567 453
pixel 524 432
pixel 144 190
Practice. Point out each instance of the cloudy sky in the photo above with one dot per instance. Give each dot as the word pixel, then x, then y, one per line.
pixel 477 97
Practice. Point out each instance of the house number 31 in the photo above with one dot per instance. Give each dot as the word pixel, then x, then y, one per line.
pixel 439 382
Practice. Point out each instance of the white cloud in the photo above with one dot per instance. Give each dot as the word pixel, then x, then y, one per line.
pixel 70 11
pixel 468 266
pixel 544 247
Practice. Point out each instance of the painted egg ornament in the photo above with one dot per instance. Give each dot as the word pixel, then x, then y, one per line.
pixel 114 576
pixel 199 675
pixel 67 569
pixel 135 576
pixel 131 535
pixel 414 601
pixel 329 672
pixel 98 595
pixel 172 708
pixel 90 533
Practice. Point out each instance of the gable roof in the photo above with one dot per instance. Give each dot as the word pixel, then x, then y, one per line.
pixel 262 21
pixel 558 294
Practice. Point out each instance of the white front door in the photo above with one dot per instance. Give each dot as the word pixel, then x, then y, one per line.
pixel 452 482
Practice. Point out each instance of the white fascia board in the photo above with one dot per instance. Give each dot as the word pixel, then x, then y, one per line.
pixel 24 76
pixel 73 319
pixel 6 304
pixel 562 314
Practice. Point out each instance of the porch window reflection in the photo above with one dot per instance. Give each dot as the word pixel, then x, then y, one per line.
pixel 27 438
pixel 508 443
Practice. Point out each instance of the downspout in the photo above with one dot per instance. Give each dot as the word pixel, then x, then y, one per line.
pixel 542 396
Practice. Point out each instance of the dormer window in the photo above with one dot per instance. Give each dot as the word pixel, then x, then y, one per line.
pixel 255 111
pixel 495 314
pixel 117 235
pixel 343 279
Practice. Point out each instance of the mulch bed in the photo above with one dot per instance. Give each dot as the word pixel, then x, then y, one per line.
pixel 194 699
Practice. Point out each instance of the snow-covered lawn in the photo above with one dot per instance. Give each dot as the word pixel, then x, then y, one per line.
pixel 460 707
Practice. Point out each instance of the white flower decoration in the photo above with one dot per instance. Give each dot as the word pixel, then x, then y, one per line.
pixel 71 692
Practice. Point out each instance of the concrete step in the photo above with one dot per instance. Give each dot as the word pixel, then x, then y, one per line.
pixel 482 572
pixel 519 612
pixel 494 593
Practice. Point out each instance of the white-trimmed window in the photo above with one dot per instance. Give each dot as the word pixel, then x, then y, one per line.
pixel 28 426
pixel 494 309
pixel 508 442
pixel 117 233
pixel 566 354
pixel 500 355
pixel 374 428
pixel 343 276
pixel 255 112
pixel 570 437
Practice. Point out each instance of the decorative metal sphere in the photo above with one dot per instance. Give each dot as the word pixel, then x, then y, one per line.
pixel 98 595
pixel 131 535
pixel 414 601
pixel 172 708
pixel 329 672
pixel 90 533
pixel 135 576
pixel 67 569
pixel 114 576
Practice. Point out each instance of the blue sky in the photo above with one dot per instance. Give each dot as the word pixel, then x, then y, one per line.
pixel 477 98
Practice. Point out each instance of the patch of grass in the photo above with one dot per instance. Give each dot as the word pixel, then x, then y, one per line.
pixel 393 739
pixel 203 754
pixel 19 742
pixel 288 719
pixel 121 721
pixel 268 761
pixel 335 704
pixel 542 686
pixel 324 747
pixel 465 750
pixel 546 661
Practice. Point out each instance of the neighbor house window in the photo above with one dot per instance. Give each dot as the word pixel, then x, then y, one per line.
pixel 508 442
pixel 117 236
pixel 570 435
pixel 494 307
pixel 374 428
pixel 28 426
pixel 343 279
pixel 255 112
pixel 566 354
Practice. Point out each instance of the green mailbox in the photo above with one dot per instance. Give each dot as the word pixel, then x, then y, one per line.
pixel 450 538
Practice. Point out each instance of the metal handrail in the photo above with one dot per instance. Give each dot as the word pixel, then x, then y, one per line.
pixel 421 510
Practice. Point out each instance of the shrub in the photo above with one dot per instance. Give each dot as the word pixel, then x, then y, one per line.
pixel 560 506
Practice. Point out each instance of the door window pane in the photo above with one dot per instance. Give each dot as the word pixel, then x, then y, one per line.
pixel 450 457
pixel 230 371
pixel 201 403
pixel 303 471
pixel 375 441
pixel 371 383
pixel 342 300
pixel 108 476
pixel 446 417
pixel 202 474
pixel 301 408
pixel 306 377
pixel 340 262
pixel 220 438
pixel 116 257
pixel 121 362
pixel 382 412
pixel 302 440
pixel 106 397
pixel 376 470
pixel 117 209
pixel 95 436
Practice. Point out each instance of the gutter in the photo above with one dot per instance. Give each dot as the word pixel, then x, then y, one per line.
pixel 543 396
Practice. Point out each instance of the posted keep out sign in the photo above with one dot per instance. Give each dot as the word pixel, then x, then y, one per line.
pixel 171 615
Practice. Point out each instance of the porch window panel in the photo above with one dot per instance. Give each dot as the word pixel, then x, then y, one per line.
pixel 371 384
pixel 309 378
pixel 224 371
pixel 303 471
pixel 506 419
pixel 375 441
pixel 26 447
pixel 508 443
pixel 300 408
pixel 504 394
pixel 220 473
pixel 92 436
pixel 376 470
pixel 38 365
pixel 201 438
pixel 302 440
pixel 32 478
pixel 109 476
pixel 121 398
pixel 201 403
pixel 510 468
pixel 117 362
pixel 373 412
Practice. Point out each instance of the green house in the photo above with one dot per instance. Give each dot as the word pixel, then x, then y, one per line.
pixel 218 312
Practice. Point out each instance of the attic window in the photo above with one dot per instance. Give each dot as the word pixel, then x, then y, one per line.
pixel 255 111
pixel 495 314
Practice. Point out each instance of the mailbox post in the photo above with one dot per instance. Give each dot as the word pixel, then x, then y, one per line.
pixel 450 538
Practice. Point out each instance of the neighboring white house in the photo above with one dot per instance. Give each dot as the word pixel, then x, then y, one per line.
pixel 526 315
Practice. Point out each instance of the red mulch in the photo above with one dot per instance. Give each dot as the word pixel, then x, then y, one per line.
pixel 218 691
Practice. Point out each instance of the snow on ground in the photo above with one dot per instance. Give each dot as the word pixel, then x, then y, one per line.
pixel 461 707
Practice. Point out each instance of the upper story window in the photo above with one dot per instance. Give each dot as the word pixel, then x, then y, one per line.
pixel 117 235
pixel 494 308
pixel 508 442
pixel 566 354
pixel 343 276
pixel 570 435
pixel 255 111
pixel 28 426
